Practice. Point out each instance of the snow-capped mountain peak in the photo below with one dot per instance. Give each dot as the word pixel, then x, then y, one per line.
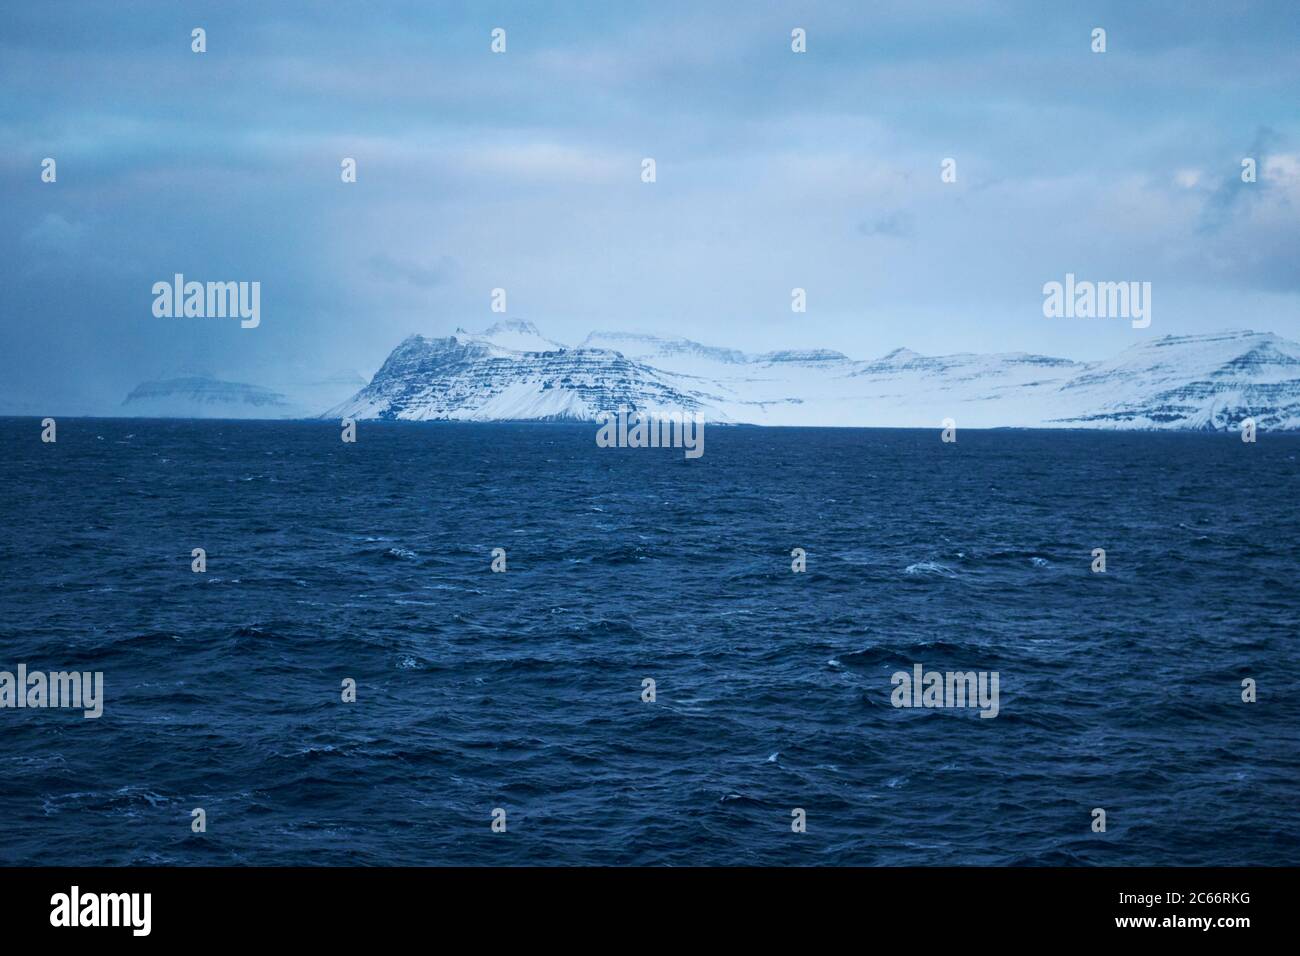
pixel 512 335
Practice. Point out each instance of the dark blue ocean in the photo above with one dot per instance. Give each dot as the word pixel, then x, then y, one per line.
pixel 522 690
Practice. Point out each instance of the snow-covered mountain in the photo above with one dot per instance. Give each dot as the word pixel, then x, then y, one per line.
pixel 512 372
pixel 1192 381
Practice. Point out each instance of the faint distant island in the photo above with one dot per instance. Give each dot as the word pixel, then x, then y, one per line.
pixel 203 395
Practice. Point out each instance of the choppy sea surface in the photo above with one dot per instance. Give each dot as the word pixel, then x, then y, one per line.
pixel 523 690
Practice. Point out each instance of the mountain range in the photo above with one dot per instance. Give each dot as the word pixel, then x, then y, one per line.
pixel 512 372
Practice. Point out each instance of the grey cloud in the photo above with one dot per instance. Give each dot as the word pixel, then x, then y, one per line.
pixel 389 269
pixel 1231 192
pixel 894 225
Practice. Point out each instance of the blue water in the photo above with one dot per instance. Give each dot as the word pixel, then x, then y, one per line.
pixel 522 690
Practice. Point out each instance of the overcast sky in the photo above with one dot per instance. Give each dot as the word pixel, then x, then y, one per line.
pixel 523 170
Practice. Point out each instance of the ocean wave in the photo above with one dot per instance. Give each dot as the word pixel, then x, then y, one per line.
pixel 932 568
